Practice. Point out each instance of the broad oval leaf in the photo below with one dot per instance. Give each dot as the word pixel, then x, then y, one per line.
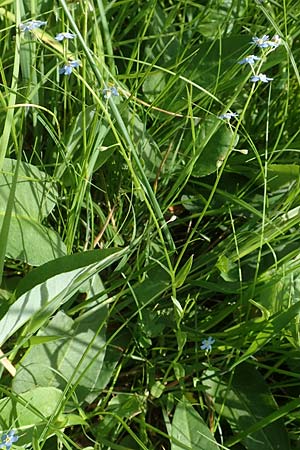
pixel 30 412
pixel 35 197
pixel 215 142
pixel 189 431
pixel 75 356
pixel 245 400
pixel 48 287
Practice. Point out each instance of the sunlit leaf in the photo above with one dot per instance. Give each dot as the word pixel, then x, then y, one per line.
pixel 35 197
pixel 244 400
pixel 189 431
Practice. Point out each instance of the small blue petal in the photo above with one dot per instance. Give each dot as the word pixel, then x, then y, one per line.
pixel 114 91
pixel 7 439
pixel 74 63
pixel 68 68
pixel 66 35
pixel 249 59
pixel 261 42
pixel 265 42
pixel 31 25
pixel 207 344
pixel 261 77
pixel 228 115
pixel 108 92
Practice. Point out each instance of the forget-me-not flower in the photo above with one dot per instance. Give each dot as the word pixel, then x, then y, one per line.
pixel 250 59
pixel 108 92
pixel 207 344
pixel 265 42
pixel 31 25
pixel 262 42
pixel 65 35
pixel 68 68
pixel 228 115
pixel 7 439
pixel 275 41
pixel 261 77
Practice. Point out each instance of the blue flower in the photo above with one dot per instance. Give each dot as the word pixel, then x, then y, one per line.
pixel 275 41
pixel 108 92
pixel 207 344
pixel 68 68
pixel 250 59
pixel 262 42
pixel 7 439
pixel 66 35
pixel 265 42
pixel 31 25
pixel 261 77
pixel 228 115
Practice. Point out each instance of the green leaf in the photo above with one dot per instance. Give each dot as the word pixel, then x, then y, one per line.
pixel 189 430
pixel 75 357
pixel 215 142
pixel 35 197
pixel 244 401
pixel 203 66
pixel 29 411
pixel 282 176
pixel 154 84
pixel 32 242
pixel 163 47
pixel 184 271
pixel 97 129
pixel 270 329
pixel 148 150
pixel 122 406
pixel 48 287
pixel 157 389
pixel 156 282
pixel 279 293
pixel 228 270
pixel 212 18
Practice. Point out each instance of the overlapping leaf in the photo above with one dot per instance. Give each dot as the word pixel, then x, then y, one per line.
pixel 35 197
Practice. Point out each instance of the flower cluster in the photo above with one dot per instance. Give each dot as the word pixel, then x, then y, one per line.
pixel 31 25
pixel 7 440
pixel 264 43
pixel 67 69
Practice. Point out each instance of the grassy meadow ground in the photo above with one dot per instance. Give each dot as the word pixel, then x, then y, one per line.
pixel 149 225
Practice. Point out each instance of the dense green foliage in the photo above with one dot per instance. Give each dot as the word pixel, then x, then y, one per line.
pixel 149 220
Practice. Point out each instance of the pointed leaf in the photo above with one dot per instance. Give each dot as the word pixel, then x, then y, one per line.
pixel 189 430
pixel 48 287
pixel 29 411
pixel 34 199
pixel 217 141
pixel 184 271
pixel 244 401
pixel 76 356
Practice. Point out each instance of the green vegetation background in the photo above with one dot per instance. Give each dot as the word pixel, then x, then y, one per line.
pixel 149 245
